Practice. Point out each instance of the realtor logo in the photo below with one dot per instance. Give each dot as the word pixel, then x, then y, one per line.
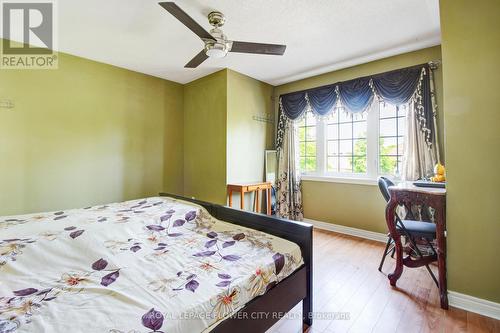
pixel 28 35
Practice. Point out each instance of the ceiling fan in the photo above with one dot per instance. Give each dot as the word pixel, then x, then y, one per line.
pixel 216 43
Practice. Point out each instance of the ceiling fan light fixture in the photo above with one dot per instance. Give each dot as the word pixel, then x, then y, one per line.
pixel 216 50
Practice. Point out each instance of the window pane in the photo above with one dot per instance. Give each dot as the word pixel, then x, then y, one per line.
pixel 302 133
pixel 310 164
pixel 360 147
pixel 310 133
pixel 388 164
pixel 359 164
pixel 346 147
pixel 359 129
pixel 344 117
pixel 332 148
pixel 401 146
pixel 311 149
pixel 403 110
pixel 301 122
pixel 310 119
pixel 388 127
pixel 345 164
pixel 333 118
pixel 332 164
pixel 332 132
pixel 302 148
pixel 346 131
pixel 387 110
pixel 388 146
pixel 307 142
pixel 402 126
pixel 391 142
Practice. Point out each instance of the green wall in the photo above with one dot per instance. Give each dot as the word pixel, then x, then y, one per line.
pixel 205 105
pixel 352 205
pixel 84 134
pixel 247 139
pixel 471 51
pixel 91 133
pixel 222 143
pixel 173 138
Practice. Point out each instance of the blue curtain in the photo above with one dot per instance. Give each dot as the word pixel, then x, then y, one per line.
pixel 356 95
pixel 397 87
pixel 323 99
pixel 294 104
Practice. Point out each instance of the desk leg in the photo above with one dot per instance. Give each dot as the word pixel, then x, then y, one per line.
pixel 390 217
pixel 441 250
pixel 268 197
pixel 230 195
pixel 257 203
pixel 242 200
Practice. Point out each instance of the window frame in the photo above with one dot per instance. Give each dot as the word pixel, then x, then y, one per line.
pixel 372 153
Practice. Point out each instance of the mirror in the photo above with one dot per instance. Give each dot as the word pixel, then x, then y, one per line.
pixel 271 165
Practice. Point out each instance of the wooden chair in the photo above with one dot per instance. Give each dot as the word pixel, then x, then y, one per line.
pixel 412 230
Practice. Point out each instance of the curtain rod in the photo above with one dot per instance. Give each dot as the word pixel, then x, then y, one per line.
pixel 433 65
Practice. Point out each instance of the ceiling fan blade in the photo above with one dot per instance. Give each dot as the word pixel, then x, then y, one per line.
pixel 185 19
pixel 258 48
pixel 197 60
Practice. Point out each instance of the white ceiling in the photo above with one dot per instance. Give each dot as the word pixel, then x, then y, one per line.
pixel 321 35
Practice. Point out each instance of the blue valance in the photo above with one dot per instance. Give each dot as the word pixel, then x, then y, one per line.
pixel 322 100
pixel 397 87
pixel 294 105
pixel 354 96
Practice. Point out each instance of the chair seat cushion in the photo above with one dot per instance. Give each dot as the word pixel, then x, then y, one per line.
pixel 419 228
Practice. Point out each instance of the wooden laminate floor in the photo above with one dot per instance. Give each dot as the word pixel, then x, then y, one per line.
pixel 348 285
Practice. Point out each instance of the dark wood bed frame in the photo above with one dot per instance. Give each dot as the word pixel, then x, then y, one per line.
pixel 262 312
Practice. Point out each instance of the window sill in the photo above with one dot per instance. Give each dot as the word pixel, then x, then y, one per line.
pixel 343 180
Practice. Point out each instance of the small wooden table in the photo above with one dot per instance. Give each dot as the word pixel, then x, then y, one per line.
pixel 250 187
pixel 407 194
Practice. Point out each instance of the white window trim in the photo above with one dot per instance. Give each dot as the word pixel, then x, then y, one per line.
pixel 372 154
pixel 342 180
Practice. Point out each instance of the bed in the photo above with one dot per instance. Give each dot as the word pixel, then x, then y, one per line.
pixel 159 264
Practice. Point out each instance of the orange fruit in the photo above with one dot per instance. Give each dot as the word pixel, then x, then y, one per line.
pixel 438 179
pixel 439 169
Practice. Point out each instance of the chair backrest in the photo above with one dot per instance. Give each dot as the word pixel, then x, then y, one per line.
pixel 383 185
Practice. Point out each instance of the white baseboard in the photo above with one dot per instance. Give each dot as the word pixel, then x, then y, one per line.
pixel 474 304
pixel 376 236
pixel 458 300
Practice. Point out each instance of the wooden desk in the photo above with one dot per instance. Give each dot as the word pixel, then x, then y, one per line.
pixel 250 187
pixel 407 194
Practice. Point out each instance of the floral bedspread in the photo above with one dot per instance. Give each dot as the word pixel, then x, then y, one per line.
pixel 149 265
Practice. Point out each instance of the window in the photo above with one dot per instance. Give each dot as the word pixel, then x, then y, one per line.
pixel 361 146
